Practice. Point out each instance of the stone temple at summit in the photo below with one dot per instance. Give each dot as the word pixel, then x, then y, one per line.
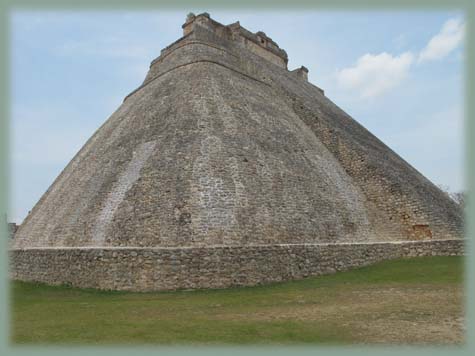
pixel 225 168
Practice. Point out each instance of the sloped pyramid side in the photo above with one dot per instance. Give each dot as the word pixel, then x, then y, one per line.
pixel 179 164
pixel 221 147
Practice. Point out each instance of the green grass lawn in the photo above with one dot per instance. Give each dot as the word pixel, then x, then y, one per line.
pixel 416 300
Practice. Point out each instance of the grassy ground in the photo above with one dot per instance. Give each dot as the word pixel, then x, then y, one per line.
pixel 401 301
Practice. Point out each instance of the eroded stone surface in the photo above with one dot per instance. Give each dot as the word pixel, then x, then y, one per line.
pixel 148 269
pixel 223 145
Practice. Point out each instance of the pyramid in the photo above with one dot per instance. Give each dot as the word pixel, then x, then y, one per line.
pixel 226 168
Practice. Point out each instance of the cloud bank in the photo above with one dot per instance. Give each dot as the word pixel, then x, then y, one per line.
pixel 448 39
pixel 375 74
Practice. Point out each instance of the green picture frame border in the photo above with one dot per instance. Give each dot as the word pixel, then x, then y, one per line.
pixel 467 6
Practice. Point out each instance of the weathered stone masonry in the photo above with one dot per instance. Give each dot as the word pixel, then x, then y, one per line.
pixel 148 269
pixel 222 145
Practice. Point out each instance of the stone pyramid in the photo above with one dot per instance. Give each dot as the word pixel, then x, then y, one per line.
pixel 222 148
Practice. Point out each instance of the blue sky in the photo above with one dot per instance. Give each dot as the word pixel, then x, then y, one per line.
pixel 400 74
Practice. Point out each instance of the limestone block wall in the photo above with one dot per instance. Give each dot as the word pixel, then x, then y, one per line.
pixel 417 210
pixel 401 207
pixel 149 269
pixel 219 146
pixel 258 43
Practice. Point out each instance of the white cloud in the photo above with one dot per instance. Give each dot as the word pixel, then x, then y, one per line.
pixel 375 74
pixel 448 39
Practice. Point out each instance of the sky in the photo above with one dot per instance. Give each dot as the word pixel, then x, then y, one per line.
pixel 399 74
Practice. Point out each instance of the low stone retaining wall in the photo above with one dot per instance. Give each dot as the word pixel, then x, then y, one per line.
pixel 147 269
